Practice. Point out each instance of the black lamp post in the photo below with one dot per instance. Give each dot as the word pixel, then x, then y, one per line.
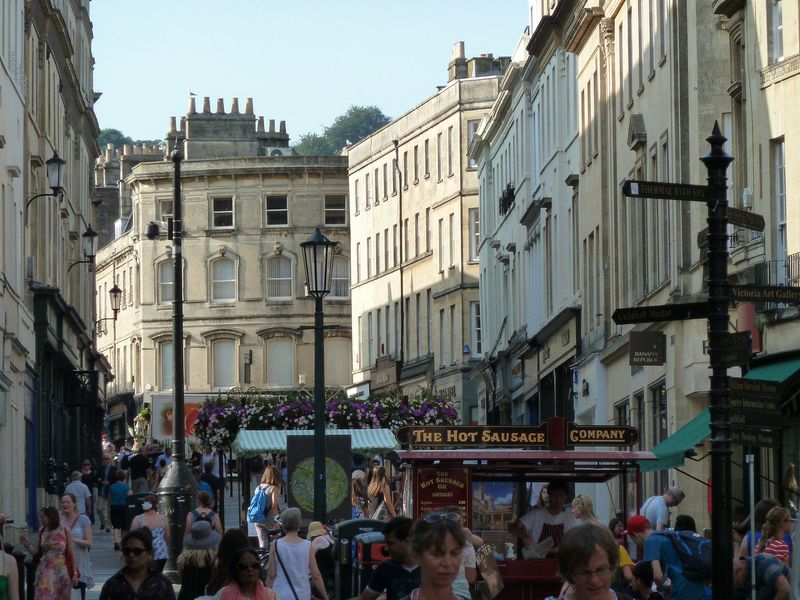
pixel 116 302
pixel 318 258
pixel 55 179
pixel 177 488
pixel 89 242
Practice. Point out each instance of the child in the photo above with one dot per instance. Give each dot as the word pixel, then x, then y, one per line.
pixel 643 581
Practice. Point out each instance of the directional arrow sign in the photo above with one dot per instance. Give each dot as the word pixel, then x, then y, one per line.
pixel 765 293
pixel 756 437
pixel 661 312
pixel 749 404
pixel 736 349
pixel 754 388
pixel 756 420
pixel 744 218
pixel 669 191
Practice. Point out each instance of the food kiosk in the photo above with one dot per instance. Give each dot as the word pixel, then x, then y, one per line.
pixel 489 472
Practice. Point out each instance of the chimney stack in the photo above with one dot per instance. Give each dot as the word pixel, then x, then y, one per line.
pixel 206 104
pixel 172 124
pixel 260 127
pixel 248 107
pixel 272 125
pixel 235 106
pixel 220 106
pixel 192 106
pixel 283 127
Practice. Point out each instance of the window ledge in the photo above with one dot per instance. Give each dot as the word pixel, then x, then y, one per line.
pixel 222 303
pixel 219 231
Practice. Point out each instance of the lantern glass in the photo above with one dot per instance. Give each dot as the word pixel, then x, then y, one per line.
pixel 55 172
pixel 116 299
pixel 318 251
pixel 90 242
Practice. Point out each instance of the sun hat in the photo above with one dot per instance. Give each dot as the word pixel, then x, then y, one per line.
pixel 359 474
pixel 637 524
pixel 315 529
pixel 201 537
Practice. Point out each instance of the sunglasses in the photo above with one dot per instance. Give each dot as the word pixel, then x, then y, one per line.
pixel 246 566
pixel 134 551
pixel 439 517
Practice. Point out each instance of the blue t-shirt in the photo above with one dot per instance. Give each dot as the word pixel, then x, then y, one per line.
pixel 660 547
pixel 119 493
pixel 206 487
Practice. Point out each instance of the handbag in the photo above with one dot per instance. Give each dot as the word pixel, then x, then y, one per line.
pixel 285 574
pixel 381 513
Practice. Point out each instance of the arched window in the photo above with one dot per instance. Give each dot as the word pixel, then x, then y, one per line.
pixel 279 277
pixel 223 280
pixel 340 279
pixel 166 289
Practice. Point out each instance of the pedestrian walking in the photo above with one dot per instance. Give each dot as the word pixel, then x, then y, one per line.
pixel 53 546
pixel 656 508
pixel 119 492
pixel 196 561
pixel 292 564
pixel 270 486
pixel 81 491
pixel 106 476
pixel 233 540
pixel 9 576
pixel 158 529
pixel 80 527
pixel 244 581
pixel 136 579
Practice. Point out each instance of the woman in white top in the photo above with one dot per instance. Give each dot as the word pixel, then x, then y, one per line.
pixel 158 527
pixel 291 561
pixel 81 528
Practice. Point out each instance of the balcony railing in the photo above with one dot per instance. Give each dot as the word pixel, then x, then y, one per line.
pixel 778 272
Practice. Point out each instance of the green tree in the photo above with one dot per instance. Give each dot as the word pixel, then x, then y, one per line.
pixel 119 139
pixel 353 126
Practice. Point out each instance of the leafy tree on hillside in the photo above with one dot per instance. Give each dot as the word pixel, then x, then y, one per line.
pixel 119 139
pixel 354 125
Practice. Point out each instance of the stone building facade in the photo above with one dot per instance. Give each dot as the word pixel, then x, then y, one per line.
pixel 611 91
pixel 414 222
pixel 51 377
pixel 763 84
pixel 248 202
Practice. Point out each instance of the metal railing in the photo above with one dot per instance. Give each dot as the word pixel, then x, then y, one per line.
pixel 778 272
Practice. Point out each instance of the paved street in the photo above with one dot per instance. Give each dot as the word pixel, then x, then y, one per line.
pixel 106 562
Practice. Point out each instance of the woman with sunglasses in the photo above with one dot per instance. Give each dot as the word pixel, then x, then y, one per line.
pixel 136 580
pixel 587 559
pixel 437 544
pixel 244 581
pixel 777 525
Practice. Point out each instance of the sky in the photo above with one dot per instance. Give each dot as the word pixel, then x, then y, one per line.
pixel 302 61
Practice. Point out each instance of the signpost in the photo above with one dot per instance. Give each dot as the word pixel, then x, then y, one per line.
pixel 756 438
pixel 737 349
pixel 662 312
pixel 668 191
pixel 765 293
pixel 744 218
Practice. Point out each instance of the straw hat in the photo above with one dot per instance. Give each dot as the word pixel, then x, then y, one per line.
pixel 315 529
pixel 201 537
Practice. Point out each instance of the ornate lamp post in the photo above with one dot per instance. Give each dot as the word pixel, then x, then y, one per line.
pixel 177 489
pixel 318 259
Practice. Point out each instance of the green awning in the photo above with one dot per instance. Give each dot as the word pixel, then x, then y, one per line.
pixel 778 371
pixel 251 442
pixel 671 452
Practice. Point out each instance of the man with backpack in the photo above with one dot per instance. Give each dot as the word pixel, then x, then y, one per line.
pixel 681 561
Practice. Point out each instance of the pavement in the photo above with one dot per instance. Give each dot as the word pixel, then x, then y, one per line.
pixel 106 562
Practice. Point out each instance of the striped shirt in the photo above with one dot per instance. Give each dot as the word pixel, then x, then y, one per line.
pixel 777 548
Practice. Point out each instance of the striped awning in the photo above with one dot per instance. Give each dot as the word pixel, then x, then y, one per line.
pixel 251 442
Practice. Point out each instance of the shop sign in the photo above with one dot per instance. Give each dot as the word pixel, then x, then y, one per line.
pixel 756 437
pixel 601 435
pixel 647 348
pixel 438 488
pixel 473 436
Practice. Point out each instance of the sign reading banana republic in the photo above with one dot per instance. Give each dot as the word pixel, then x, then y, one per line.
pixel 647 348
pixel 601 435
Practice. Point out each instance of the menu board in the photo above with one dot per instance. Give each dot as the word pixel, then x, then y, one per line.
pixel 442 487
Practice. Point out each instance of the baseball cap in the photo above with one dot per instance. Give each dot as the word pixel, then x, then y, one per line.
pixel 637 524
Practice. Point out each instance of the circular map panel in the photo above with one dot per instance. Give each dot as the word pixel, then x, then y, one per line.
pixel 337 484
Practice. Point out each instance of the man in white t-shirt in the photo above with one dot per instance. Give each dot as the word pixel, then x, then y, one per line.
pixel 656 508
pixel 540 523
pixel 83 495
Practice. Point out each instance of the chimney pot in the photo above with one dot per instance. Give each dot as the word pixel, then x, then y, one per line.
pixel 172 124
pixel 235 106
pixel 248 107
pixel 206 104
pixel 220 106
pixel 192 106
pixel 458 50
pixel 283 126
pixel 272 125
pixel 260 127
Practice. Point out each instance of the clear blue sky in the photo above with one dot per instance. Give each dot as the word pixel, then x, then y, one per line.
pixel 304 61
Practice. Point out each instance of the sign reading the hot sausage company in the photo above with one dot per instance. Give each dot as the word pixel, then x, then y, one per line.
pixel 601 435
pixel 473 436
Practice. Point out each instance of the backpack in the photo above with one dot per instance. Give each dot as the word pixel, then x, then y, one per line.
pixel 260 504
pixel 694 551
pixel 209 516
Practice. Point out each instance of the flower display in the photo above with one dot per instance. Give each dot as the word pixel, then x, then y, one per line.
pixel 220 418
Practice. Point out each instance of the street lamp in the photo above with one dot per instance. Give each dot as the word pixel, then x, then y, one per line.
pixel 89 242
pixel 318 253
pixel 177 488
pixel 55 178
pixel 116 302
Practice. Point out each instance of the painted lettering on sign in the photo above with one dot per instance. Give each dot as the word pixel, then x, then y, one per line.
pixel 467 436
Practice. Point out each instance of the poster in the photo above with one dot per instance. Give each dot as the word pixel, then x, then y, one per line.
pixel 338 466
pixel 493 505
pixel 442 487
pixel 162 421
